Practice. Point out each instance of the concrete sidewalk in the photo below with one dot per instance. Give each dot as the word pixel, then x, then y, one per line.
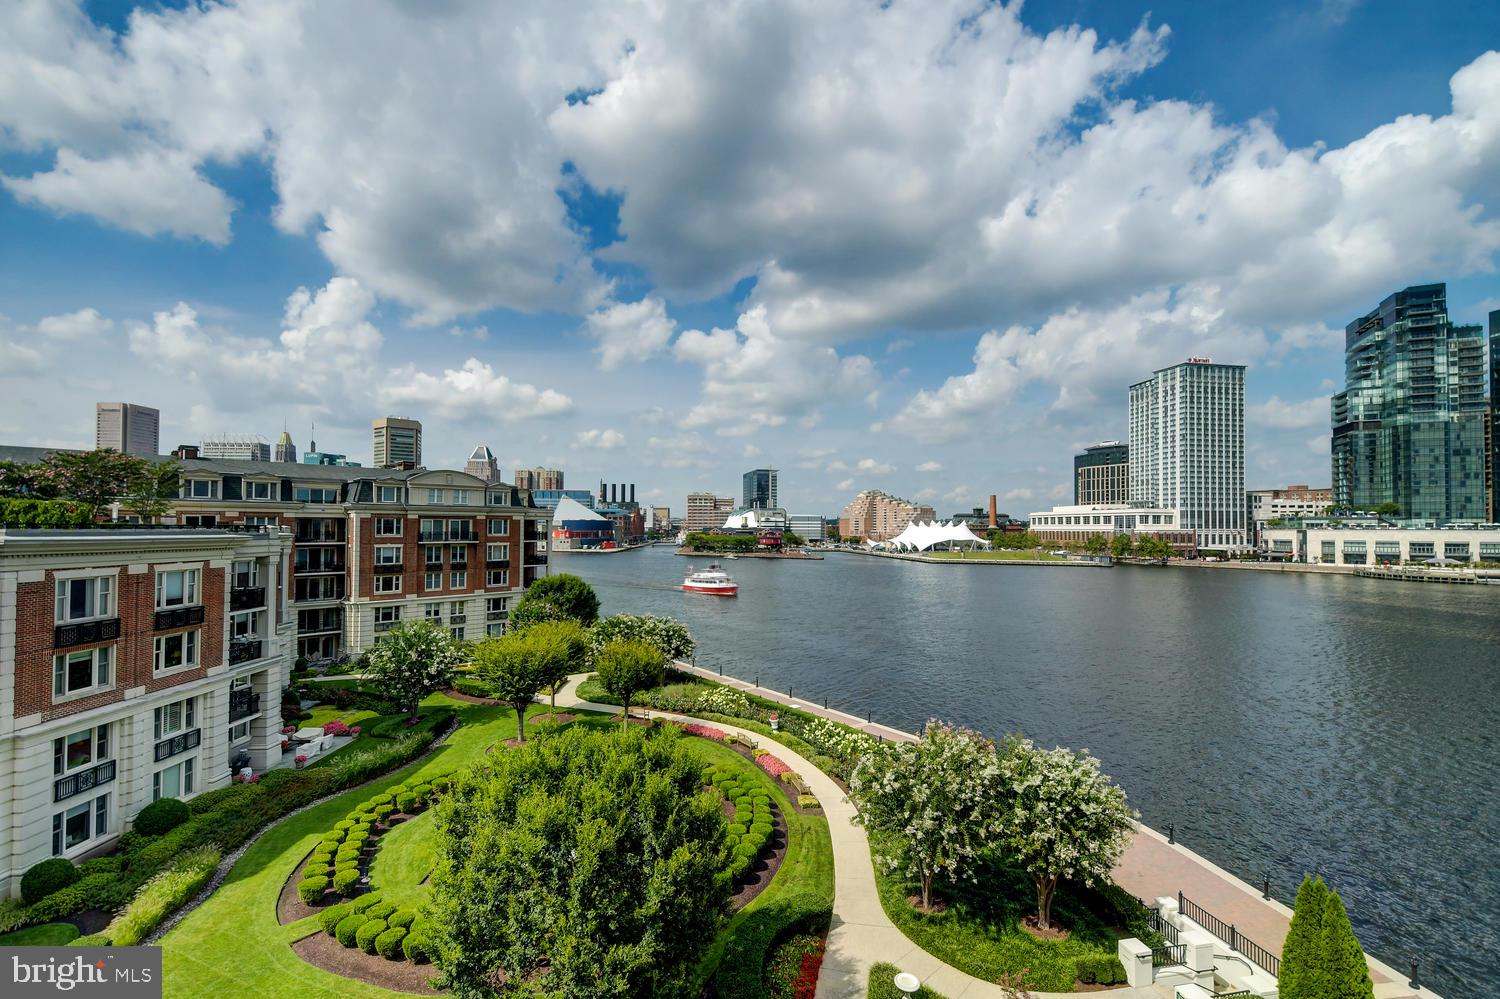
pixel 861 933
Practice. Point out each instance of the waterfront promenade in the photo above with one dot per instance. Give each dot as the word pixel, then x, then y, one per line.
pixel 1149 868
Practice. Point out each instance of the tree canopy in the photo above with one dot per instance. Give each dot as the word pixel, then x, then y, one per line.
pixel 412 660
pixel 669 636
pixel 562 647
pixel 1321 957
pixel 583 865
pixel 513 666
pixel 626 667
pixel 555 598
pixel 94 479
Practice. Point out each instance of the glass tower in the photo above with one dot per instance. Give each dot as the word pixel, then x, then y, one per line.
pixel 760 488
pixel 1494 424
pixel 1408 428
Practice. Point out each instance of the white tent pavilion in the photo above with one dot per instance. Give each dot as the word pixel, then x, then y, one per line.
pixel 919 537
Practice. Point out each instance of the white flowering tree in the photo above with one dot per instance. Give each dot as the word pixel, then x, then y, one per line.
pixel 411 661
pixel 667 634
pixel 937 797
pixel 1064 818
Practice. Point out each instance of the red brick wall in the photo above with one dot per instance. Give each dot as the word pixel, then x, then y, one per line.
pixel 414 556
pixel 134 650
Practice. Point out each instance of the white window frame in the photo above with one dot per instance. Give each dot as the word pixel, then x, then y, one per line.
pixel 460 497
pixel 190 489
pixel 491 549
pixel 101 671
pixel 187 718
pixel 497 577
pixel 97 810
pixel 383 522
pixel 186 771
pixel 101 597
pixel 434 496
pixel 192 579
pixel 432 581
pixel 432 611
pixel 251 566
pixel 98 739
pixel 192 651
pixel 256 490
pixel 387 555
pixel 389 583
pixel 498 525
pixel 388 494
pixel 458 579
pixel 456 632
pixel 239 732
pixel 245 624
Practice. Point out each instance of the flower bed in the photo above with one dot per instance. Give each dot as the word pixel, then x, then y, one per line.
pixel 792 967
pixel 771 765
pixel 706 731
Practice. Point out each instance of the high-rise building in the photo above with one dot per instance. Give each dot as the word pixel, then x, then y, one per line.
pixel 234 447
pixel 397 441
pixel 481 464
pixel 539 478
pixel 1408 429
pixel 1100 475
pixel 877 516
pixel 128 428
pixel 1492 476
pixel 706 511
pixel 1187 448
pixel 285 450
pixel 760 488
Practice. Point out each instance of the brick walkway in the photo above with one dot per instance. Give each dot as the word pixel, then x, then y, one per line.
pixel 1150 867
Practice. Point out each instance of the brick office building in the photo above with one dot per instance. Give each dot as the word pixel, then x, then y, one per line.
pixel 134 665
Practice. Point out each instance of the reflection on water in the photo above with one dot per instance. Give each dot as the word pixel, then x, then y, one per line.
pixel 1282 723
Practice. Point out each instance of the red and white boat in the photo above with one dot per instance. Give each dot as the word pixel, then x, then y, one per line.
pixel 711 580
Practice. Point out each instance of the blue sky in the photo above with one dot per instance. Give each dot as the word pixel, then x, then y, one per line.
pixel 923 248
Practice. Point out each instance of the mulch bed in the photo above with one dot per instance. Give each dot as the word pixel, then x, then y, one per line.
pixel 937 908
pixel 90 921
pixel 1028 924
pixel 323 951
pixel 289 905
pixel 471 699
pixel 765 868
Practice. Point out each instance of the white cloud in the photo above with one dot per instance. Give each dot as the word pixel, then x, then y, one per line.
pixel 845 484
pixel 600 440
pixel 1015 494
pixel 480 332
pixel 630 331
pixel 958 494
pixel 18 359
pixel 751 451
pixel 685 450
pixel 874 467
pixel 84 324
pixel 930 466
pixel 149 191
pixel 473 390
pixel 924 495
pixel 1281 415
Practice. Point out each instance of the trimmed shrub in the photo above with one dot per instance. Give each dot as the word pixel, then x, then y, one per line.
pixel 406 802
pixel 51 875
pixel 348 927
pixel 384 798
pixel 1100 969
pixel 418 945
pixel 97 891
pixel 737 829
pixel 345 865
pixel 365 936
pixel 310 890
pixel 762 828
pixel 162 816
pixel 345 880
pixel 381 910
pixel 100 865
pixel 388 944
pixel 364 902
pixel 330 917
pixel 746 850
pixel 808 801
pixel 401 918
pixel 163 895
pixel 383 812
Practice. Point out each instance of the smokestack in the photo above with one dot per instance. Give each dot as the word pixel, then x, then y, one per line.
pixel 632 492
pixel 994 522
pixel 601 492
pixel 612 499
pixel 622 493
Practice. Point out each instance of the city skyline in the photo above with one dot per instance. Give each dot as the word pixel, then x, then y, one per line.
pixel 639 327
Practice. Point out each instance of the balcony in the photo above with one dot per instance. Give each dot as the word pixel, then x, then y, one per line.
pixel 497 563
pixel 178 744
pixel 320 565
pixel 247 598
pixel 536 560
pixel 85 632
pixel 243 703
pixel 177 617
pixel 243 650
pixel 82 780
pixel 383 626
pixel 458 563
pixel 533 533
pixel 389 568
pixel 495 615
pixel 465 534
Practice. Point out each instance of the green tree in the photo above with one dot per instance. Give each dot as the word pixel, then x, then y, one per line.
pixel 411 661
pixel 1302 972
pixel 588 865
pixel 555 598
pixel 94 478
pixel 1346 973
pixel 626 667
pixel 937 797
pixel 669 636
pixel 1064 818
pixel 1388 509
pixel 563 649
pixel 1121 546
pixel 152 488
pixel 16 482
pixel 1096 544
pixel 514 667
pixel 792 540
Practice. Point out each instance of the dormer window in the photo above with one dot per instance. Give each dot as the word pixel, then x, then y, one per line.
pixel 200 488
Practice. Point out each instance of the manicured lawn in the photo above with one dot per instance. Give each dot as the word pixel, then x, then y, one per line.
pixel 232 945
pixel 980 933
pixel 405 858
pixel 998 555
pixel 325 713
pixel 883 985
pixel 45 935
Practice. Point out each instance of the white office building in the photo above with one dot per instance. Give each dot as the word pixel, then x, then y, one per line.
pixel 1342 544
pixel 1187 449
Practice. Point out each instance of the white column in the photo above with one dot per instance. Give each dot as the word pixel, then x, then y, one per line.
pixel 265 730
pixel 1136 957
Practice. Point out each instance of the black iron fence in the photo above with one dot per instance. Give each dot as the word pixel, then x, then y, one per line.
pixel 247 598
pixel 177 617
pixel 179 743
pixel 1229 933
pixel 84 632
pixel 82 780
pixel 242 704
pixel 1171 954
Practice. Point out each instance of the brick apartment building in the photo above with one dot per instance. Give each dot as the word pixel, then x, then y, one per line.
pixel 135 664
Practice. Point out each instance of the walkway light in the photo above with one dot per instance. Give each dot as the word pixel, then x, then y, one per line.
pixel 907 983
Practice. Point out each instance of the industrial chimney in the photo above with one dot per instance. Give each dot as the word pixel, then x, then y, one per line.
pixel 612 500
pixel 632 492
pixel 994 522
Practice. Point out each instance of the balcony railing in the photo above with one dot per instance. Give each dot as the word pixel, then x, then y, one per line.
pixel 82 780
pixel 247 598
pixel 243 650
pixel 389 567
pixel 178 617
pixel 84 632
pixel 441 534
pixel 381 626
pixel 496 615
pixel 458 563
pixel 326 565
pixel 243 704
pixel 497 563
pixel 532 533
pixel 178 744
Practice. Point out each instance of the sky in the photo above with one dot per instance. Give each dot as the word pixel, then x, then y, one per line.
pixel 922 247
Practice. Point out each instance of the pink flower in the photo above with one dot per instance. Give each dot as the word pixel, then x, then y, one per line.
pixel 706 731
pixel 301 758
pixel 335 728
pixel 354 730
pixel 288 730
pixel 772 765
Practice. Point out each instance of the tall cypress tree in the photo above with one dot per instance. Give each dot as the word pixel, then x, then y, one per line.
pixel 1346 973
pixel 1302 964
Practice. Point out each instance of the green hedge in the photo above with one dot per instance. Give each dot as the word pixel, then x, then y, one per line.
pixel 330 917
pixel 161 816
pixel 348 927
pixel 388 944
pixel 364 936
pixel 741 968
pixel 43 513
pixel 310 890
pixel 52 874
pixel 1100 970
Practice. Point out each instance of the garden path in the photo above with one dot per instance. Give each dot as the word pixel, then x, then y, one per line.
pixel 861 933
